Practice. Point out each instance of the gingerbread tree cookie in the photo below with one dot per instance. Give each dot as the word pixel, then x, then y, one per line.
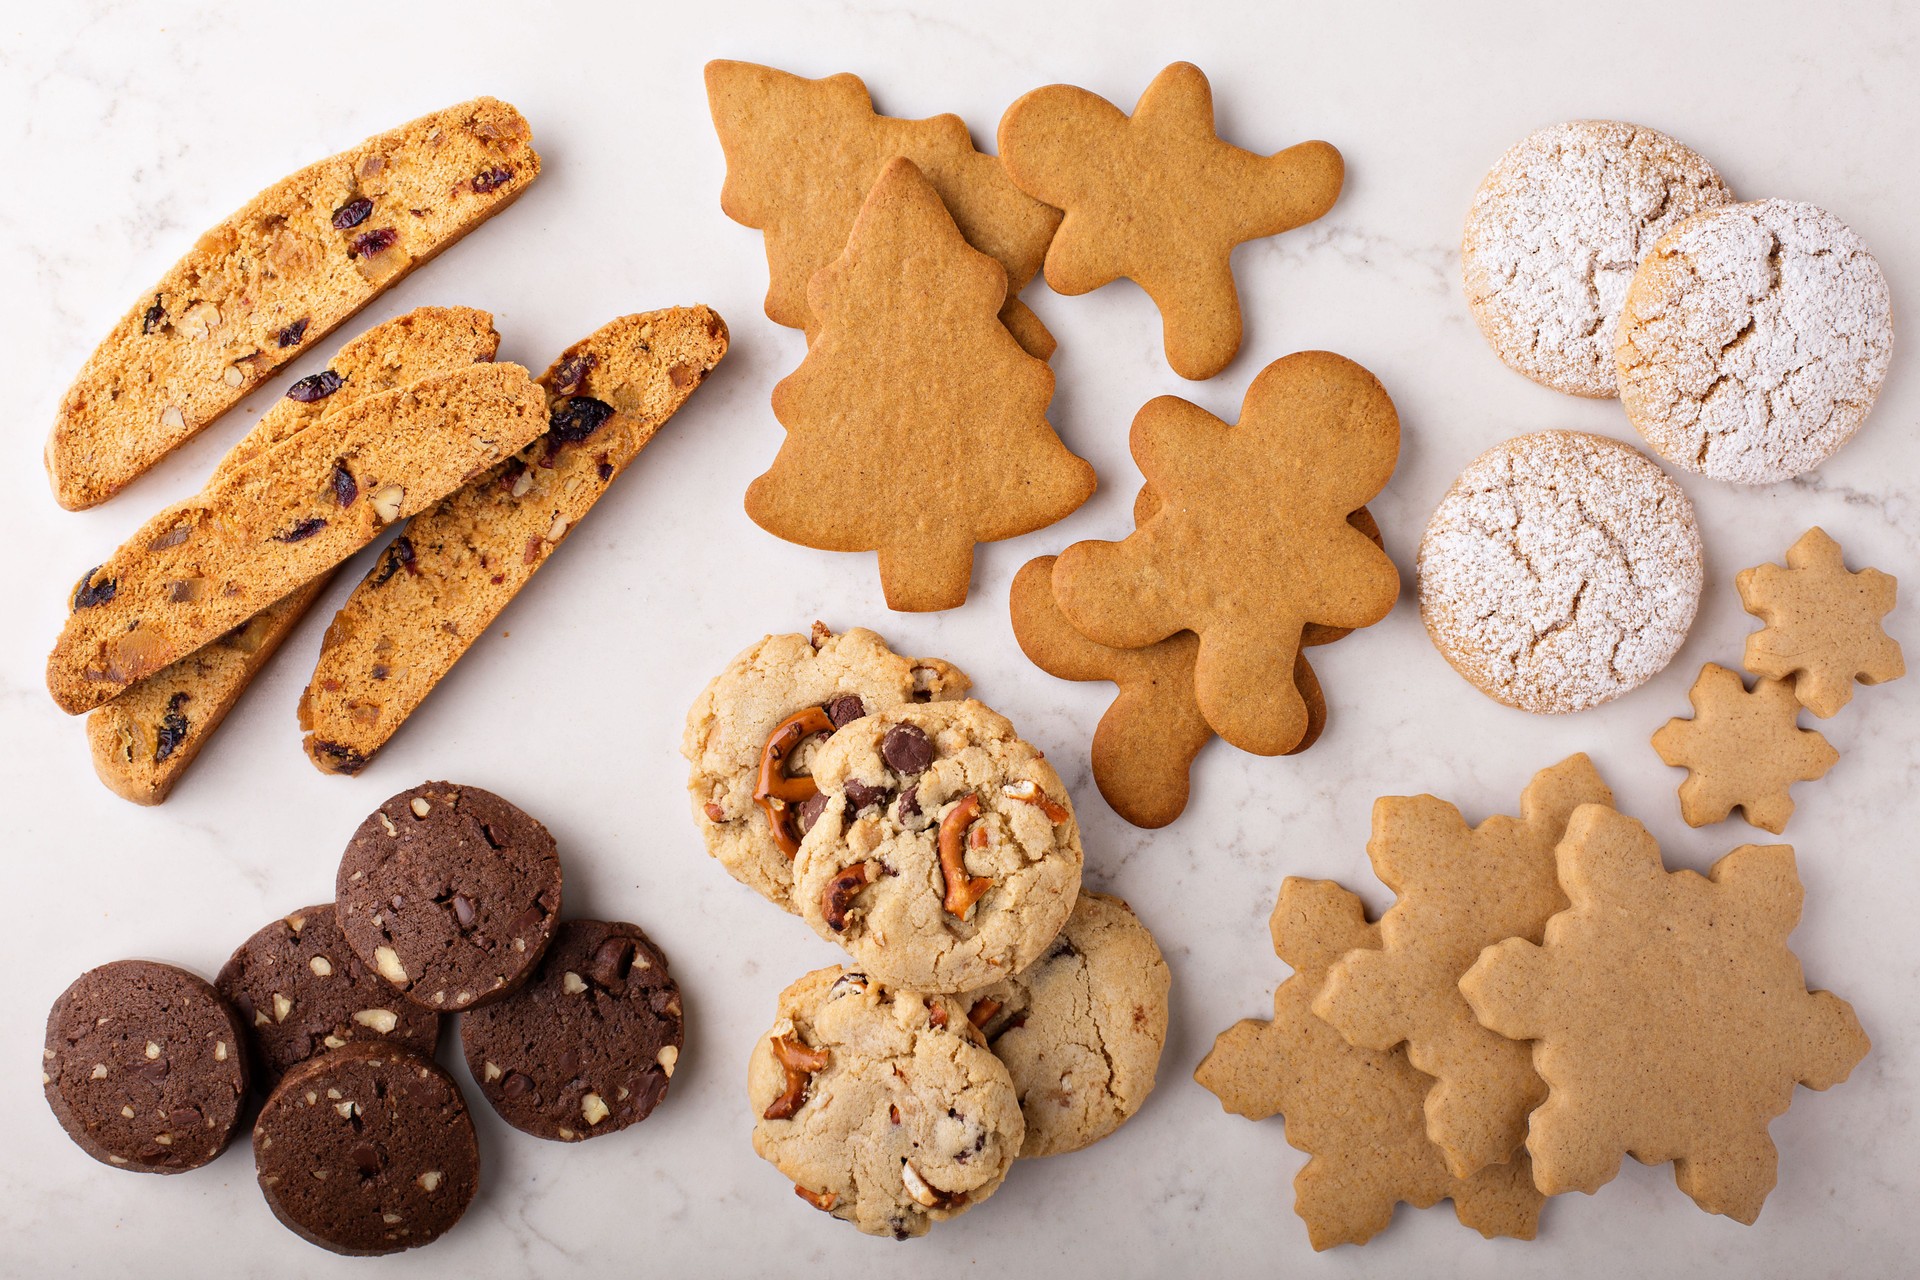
pixel 1355 1112
pixel 1671 1021
pixel 802 154
pixel 916 425
pixel 1157 197
pixel 1460 889
pixel 1250 541
pixel 1742 750
pixel 1823 627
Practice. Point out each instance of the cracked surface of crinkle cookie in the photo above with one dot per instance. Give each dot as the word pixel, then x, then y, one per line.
pixel 947 856
pixel 366 1150
pixel 1081 1028
pixel 1560 571
pixel 1555 233
pixel 299 990
pixel 449 893
pixel 731 722
pixel 144 1067
pixel 885 1108
pixel 1754 341
pixel 588 1045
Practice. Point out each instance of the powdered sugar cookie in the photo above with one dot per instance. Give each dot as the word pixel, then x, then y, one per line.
pixel 1560 571
pixel 1555 233
pixel 1754 341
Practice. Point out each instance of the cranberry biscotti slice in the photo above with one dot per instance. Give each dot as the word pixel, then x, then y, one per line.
pixel 453 569
pixel 204 566
pixel 264 285
pixel 146 738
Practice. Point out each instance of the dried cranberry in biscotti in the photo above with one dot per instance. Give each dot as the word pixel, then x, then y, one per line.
pixel 366 1150
pixel 449 893
pixel 145 1067
pixel 588 1045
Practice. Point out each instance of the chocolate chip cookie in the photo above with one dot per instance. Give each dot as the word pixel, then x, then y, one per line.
pixel 367 1149
pixel 752 733
pixel 885 1108
pixel 588 1045
pixel 144 1067
pixel 946 855
pixel 449 893
pixel 1081 1028
pixel 300 990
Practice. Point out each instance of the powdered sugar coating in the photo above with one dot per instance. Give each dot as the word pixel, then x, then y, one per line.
pixel 1560 571
pixel 1754 341
pixel 1554 236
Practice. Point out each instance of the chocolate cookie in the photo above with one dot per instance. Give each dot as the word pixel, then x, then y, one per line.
pixel 300 991
pixel 588 1045
pixel 144 1068
pixel 450 894
pixel 367 1149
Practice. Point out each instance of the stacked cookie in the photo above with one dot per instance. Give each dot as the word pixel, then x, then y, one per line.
pixel 994 1008
pixel 448 900
pixel 1543 997
pixel 1744 747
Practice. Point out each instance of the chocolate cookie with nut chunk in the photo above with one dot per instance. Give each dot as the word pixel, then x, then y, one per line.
pixel 144 1067
pixel 885 1108
pixel 1081 1028
pixel 449 893
pixel 946 856
pixel 365 1150
pixel 588 1045
pixel 753 731
pixel 300 990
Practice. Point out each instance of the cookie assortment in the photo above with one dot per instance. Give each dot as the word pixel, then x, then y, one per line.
pixel 1543 997
pixel 449 899
pixel 995 1009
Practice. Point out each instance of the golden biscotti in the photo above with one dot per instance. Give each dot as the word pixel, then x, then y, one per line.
pixel 203 566
pixel 264 285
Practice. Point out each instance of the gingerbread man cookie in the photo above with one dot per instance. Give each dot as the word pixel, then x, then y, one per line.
pixel 1251 541
pixel 916 425
pixel 1669 1018
pixel 1157 197
pixel 1823 627
pixel 1742 750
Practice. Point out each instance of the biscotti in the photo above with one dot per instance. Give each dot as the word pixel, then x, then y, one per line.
pixel 453 569
pixel 203 566
pixel 261 287
pixel 144 739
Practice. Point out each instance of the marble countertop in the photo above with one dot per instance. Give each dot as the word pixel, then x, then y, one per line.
pixel 127 129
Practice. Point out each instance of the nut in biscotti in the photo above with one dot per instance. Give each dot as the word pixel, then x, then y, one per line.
pixel 263 529
pixel 263 286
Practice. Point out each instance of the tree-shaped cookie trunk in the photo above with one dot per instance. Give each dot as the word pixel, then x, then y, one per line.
pixel 916 425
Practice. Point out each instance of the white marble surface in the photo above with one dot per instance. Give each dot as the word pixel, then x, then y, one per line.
pixel 125 129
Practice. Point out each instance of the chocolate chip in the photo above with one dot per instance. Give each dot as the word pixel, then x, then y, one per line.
pixel 345 487
pixel 491 180
pixel 291 335
pixel 173 728
pixel 155 314
pixel 810 810
pixel 315 386
pixel 302 531
pixel 352 214
pixel 907 749
pixel 860 795
pixel 368 243
pixel 90 593
pixel 1061 950
pixel 845 709
pixel 516 1085
pixel 910 801
pixel 611 961
pixel 574 420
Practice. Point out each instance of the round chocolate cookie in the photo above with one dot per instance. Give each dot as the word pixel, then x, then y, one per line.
pixel 366 1149
pixel 587 1046
pixel 144 1067
pixel 300 991
pixel 450 894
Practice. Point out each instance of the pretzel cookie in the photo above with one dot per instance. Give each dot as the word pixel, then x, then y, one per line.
pixel 1560 571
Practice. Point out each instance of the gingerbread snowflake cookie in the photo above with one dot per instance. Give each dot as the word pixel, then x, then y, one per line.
pixel 752 734
pixel 946 856
pixel 1823 627
pixel 1560 571
pixel 1668 1016
pixel 1742 750
pixel 1554 236
pixel 885 1108
pixel 1754 340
